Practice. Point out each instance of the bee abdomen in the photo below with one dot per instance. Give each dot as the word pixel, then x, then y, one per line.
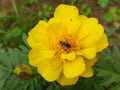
pixel 66 44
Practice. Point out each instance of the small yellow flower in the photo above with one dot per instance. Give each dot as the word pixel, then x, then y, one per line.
pixel 65 47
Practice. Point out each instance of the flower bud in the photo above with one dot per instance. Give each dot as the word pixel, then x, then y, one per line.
pixel 22 71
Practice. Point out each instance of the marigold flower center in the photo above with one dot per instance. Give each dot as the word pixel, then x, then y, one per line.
pixel 64 43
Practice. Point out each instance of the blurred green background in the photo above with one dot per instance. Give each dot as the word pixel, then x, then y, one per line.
pixel 17 17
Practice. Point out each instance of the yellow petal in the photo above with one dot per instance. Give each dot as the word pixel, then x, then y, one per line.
pixel 66 12
pixel 87 42
pixel 102 43
pixel 99 31
pixel 78 53
pixel 49 67
pixel 88 67
pixel 36 55
pixel 91 28
pixel 49 71
pixel 54 29
pixel 82 18
pixel 68 15
pixel 88 26
pixel 88 72
pixel 44 44
pixel 73 26
pixel 53 20
pixel 38 35
pixel 73 68
pixel 67 81
pixel 68 56
pixel 89 53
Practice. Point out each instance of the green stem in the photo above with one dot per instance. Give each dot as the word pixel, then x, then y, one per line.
pixel 42 8
pixel 15 8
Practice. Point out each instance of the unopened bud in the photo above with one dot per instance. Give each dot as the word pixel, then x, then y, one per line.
pixel 23 71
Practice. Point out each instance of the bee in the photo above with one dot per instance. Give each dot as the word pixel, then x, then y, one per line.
pixel 66 44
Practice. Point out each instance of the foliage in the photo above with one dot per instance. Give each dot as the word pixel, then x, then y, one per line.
pixel 8 61
pixel 108 69
pixel 32 1
pixel 103 3
pixel 111 15
pixel 84 9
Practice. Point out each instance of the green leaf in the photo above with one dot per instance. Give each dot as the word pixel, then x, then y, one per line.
pixel 72 2
pixel 51 87
pixel 8 61
pixel 1 84
pixel 116 57
pixel 88 11
pixel 2 31
pixel 5 58
pixel 62 1
pixel 110 31
pixel 83 6
pixel 116 87
pixel 84 9
pixel 116 24
pixel 111 15
pixel 32 1
pixel 16 32
pixel 13 57
pixel 9 82
pixel 103 3
pixel 107 70
pixel 109 76
pixel 24 38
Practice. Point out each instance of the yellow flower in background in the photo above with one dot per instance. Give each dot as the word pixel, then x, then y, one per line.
pixel 65 47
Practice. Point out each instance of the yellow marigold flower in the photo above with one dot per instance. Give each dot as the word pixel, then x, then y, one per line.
pixel 65 47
